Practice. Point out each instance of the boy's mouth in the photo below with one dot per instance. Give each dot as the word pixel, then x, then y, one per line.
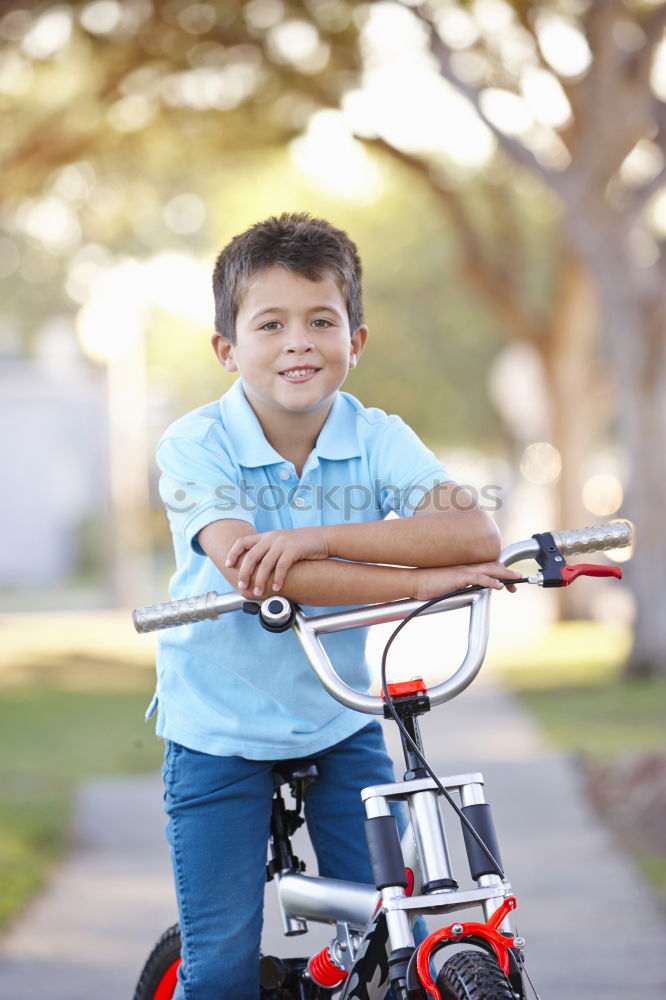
pixel 300 373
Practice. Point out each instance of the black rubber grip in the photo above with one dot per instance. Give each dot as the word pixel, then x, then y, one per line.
pixel 388 866
pixel 481 818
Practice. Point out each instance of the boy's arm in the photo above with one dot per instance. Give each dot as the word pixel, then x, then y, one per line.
pixel 331 582
pixel 448 529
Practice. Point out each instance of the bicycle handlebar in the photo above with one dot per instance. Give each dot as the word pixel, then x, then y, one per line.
pixel 616 535
pixel 212 605
pixel 186 611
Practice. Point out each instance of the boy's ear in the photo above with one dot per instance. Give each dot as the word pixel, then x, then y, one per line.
pixel 357 344
pixel 224 351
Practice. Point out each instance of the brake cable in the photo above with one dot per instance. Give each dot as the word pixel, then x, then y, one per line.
pixel 412 744
pixel 518 966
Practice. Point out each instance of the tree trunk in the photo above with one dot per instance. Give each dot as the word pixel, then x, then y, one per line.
pixel 647 570
pixel 633 304
pixel 578 409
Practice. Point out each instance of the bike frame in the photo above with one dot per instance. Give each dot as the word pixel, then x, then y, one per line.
pixel 372 926
pixel 425 851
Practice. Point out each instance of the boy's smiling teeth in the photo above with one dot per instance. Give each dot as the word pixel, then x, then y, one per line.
pixel 298 372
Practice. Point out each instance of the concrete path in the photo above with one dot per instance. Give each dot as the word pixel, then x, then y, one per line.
pixel 593 931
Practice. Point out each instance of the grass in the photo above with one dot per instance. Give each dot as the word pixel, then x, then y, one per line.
pixel 572 682
pixel 68 712
pixel 653 867
pixel 603 720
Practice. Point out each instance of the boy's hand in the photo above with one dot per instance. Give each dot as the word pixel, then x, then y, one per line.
pixel 433 582
pixel 273 552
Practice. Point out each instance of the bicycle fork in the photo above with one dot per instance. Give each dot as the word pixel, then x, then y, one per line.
pixel 435 890
pixel 411 877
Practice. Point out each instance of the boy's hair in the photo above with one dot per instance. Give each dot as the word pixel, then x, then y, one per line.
pixel 299 243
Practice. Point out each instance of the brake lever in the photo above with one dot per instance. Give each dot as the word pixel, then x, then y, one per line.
pixel 571 573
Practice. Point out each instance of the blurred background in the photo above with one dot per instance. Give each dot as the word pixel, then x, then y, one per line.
pixel 501 166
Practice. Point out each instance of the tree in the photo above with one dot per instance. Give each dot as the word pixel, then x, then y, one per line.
pixel 610 167
pixel 258 70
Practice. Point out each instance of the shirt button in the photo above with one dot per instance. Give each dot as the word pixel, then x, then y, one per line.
pixel 299 502
pixel 283 474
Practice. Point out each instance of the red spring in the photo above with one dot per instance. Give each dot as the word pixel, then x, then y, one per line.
pixel 324 971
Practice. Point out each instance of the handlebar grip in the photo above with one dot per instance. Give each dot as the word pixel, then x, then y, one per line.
pixel 183 612
pixel 616 535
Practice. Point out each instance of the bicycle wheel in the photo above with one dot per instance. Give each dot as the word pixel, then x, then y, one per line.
pixel 473 975
pixel 158 976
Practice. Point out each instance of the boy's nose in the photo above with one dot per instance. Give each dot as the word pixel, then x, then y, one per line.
pixel 299 341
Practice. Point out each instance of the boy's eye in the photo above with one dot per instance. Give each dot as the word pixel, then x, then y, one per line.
pixel 321 324
pixel 271 325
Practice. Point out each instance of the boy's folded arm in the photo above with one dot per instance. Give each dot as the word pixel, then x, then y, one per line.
pixel 447 529
pixel 331 582
pixel 324 582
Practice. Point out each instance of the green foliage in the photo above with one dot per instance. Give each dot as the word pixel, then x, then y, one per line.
pixel 166 90
pixel 119 120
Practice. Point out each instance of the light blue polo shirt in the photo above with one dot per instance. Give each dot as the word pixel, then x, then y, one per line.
pixel 228 687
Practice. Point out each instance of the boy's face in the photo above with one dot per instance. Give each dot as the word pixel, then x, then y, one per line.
pixel 293 346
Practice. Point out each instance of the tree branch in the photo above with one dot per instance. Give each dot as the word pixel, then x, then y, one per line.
pixel 477 269
pixel 516 150
pixel 643 195
pixel 653 27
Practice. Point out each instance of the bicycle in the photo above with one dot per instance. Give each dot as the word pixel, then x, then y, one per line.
pixel 373 948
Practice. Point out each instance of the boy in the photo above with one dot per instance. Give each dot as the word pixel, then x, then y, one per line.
pixel 282 486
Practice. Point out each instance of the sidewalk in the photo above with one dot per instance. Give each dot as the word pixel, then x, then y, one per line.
pixel 593 931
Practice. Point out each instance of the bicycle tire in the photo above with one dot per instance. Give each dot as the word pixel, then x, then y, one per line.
pixel 473 975
pixel 158 976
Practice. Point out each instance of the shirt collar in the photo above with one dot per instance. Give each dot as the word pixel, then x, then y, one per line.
pixel 337 438
pixel 246 434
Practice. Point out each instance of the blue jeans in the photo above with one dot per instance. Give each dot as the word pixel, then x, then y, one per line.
pixel 219 815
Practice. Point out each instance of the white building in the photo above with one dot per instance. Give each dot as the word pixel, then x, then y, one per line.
pixel 53 468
